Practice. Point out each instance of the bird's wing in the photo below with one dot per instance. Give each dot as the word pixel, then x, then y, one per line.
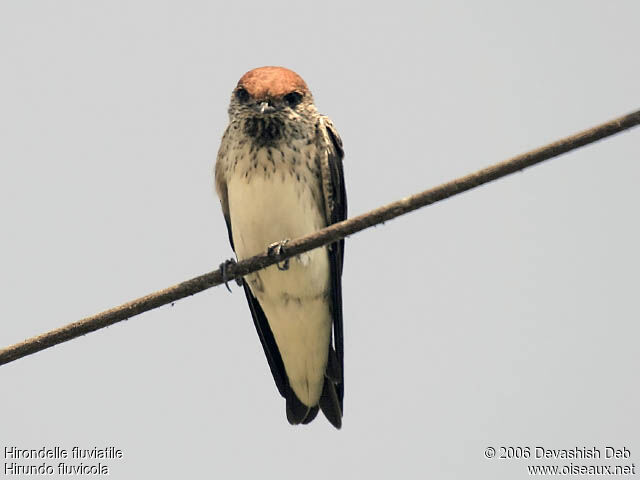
pixel 335 198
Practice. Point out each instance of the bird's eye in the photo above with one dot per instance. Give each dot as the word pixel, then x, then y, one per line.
pixel 293 99
pixel 242 95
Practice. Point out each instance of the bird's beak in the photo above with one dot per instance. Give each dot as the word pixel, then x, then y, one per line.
pixel 265 107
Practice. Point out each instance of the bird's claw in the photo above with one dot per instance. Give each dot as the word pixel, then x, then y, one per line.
pixel 225 277
pixel 275 250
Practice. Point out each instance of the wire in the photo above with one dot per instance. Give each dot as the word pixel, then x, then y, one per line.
pixel 317 239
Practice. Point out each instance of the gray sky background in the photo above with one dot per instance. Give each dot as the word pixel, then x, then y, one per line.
pixel 506 316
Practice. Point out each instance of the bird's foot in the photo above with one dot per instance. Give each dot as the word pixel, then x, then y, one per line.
pixel 275 250
pixel 225 277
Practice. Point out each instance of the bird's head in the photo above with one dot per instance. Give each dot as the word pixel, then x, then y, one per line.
pixel 271 92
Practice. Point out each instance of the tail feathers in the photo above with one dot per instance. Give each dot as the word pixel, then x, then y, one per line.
pixel 330 400
pixel 311 415
pixel 330 404
pixel 298 412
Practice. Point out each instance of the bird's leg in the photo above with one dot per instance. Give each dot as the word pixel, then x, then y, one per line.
pixel 225 278
pixel 275 250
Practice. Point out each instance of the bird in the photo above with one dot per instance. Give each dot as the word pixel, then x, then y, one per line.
pixel 279 175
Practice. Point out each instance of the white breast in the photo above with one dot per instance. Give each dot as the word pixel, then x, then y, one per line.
pixel 265 209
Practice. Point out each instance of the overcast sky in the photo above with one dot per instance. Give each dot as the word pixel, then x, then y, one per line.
pixel 506 316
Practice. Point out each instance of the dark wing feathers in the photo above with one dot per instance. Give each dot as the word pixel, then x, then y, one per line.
pixel 331 401
pixel 268 342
